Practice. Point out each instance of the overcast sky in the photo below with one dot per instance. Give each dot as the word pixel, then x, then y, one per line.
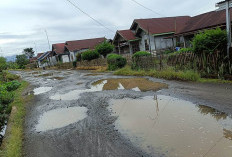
pixel 22 22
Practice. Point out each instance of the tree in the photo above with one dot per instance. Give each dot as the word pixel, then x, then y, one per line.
pixel 3 64
pixel 22 60
pixel 104 48
pixel 29 52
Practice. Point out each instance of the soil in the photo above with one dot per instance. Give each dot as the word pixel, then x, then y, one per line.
pixel 97 135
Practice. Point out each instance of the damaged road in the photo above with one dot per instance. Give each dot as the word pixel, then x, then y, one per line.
pixel 74 117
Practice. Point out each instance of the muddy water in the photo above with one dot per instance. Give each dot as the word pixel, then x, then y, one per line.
pixel 137 84
pixel 41 90
pixel 174 128
pixel 60 118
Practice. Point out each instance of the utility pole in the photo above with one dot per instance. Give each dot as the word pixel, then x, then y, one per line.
pixel 226 5
pixel 35 48
pixel 47 39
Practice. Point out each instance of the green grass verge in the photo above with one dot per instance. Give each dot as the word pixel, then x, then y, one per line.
pixel 168 74
pixel 12 143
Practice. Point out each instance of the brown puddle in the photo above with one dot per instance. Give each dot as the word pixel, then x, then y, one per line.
pixel 92 74
pixel 45 75
pixel 174 128
pixel 138 84
pixel 58 78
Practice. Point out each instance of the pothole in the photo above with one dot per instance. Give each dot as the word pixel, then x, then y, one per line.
pixel 41 90
pixel 75 94
pixel 174 127
pixel 60 118
pixel 137 84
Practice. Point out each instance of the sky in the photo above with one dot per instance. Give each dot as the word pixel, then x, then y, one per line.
pixel 23 22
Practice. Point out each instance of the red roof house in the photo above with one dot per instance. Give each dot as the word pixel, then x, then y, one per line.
pixel 77 45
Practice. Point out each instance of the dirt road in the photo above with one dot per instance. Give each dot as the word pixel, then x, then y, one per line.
pixel 95 134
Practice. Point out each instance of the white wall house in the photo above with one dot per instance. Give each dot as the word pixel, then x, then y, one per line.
pixel 154 34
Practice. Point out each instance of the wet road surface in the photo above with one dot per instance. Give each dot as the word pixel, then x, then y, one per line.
pixel 80 114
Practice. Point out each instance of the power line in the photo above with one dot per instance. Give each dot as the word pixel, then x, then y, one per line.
pixel 146 7
pixel 90 16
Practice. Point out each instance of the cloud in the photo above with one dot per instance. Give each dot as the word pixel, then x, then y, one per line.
pixel 23 22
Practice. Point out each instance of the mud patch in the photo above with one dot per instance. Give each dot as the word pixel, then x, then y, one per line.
pixel 60 118
pixel 41 90
pixel 75 94
pixel 137 84
pixel 172 127
pixel 58 78
pixel 93 75
pixel 46 75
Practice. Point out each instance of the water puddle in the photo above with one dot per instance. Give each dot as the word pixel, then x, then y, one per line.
pixel 166 126
pixel 137 84
pixel 75 94
pixel 45 75
pixel 60 118
pixel 41 90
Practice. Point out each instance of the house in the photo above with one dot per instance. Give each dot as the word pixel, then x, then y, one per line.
pixel 149 34
pixel 126 42
pixel 59 54
pixel 79 46
pixel 194 25
pixel 43 59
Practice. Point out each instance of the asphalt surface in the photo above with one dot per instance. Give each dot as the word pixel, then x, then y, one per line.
pixel 96 135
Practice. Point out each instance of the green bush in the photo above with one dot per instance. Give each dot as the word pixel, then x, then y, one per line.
pixel 141 54
pixel 209 41
pixel 6 97
pixel 185 50
pixel 104 48
pixel 90 55
pixel 3 64
pixel 11 86
pixel 115 61
pixel 74 64
pixel 78 57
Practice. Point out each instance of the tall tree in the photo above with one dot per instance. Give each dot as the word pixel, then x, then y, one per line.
pixel 29 52
pixel 22 60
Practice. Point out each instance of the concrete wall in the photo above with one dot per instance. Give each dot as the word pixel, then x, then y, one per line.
pixel 162 43
pixel 156 42
pixel 53 60
pixel 65 58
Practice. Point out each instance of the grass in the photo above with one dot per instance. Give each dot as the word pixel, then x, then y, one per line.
pixel 168 74
pixel 12 143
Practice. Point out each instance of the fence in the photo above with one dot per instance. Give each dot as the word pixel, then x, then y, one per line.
pixel 101 62
pixel 210 65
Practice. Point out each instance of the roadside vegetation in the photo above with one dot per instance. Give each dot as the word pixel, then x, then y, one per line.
pixel 12 111
pixel 204 45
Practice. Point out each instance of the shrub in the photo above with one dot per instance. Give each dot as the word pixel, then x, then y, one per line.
pixel 6 97
pixel 90 55
pixel 74 64
pixel 3 64
pixel 104 48
pixel 11 86
pixel 78 57
pixel 115 61
pixel 185 50
pixel 209 41
pixel 141 54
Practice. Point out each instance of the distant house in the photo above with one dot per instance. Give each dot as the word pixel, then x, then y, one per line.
pixel 59 54
pixel 126 42
pixel 209 20
pixel 43 59
pixel 149 35
pixel 78 46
